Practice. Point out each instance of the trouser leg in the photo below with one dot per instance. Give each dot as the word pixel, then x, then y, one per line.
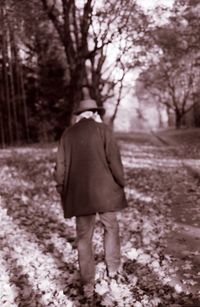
pixel 85 228
pixel 111 241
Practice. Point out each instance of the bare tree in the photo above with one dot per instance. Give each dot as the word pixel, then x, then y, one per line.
pixel 86 29
pixel 5 71
pixel 171 75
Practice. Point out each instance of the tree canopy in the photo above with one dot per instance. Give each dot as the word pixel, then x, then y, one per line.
pixel 172 75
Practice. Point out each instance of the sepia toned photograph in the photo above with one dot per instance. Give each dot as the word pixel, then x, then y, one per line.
pixel 100 153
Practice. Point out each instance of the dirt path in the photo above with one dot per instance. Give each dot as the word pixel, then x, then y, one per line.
pixel 184 239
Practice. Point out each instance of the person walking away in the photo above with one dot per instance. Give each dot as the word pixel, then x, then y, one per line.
pixel 90 180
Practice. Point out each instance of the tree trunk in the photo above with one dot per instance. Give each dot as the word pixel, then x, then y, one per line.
pixel 2 131
pixel 196 111
pixel 5 76
pixel 23 97
pixel 113 117
pixel 2 122
pixel 12 92
pixel 75 91
pixel 178 119
pixel 20 86
pixel 160 121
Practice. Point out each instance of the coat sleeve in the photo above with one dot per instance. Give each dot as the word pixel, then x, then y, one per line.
pixel 113 158
pixel 60 166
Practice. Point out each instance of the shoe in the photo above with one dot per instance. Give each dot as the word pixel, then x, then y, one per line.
pixel 117 277
pixel 113 275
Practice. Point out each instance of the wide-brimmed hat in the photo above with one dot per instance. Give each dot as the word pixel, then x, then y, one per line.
pixel 89 105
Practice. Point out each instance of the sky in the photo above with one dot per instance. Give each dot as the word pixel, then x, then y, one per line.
pixel 149 4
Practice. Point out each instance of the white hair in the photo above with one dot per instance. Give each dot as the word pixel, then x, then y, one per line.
pixel 89 114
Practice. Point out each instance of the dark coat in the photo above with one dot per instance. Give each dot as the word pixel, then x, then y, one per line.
pixel 89 171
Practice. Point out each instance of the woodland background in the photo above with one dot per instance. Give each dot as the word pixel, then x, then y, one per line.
pixel 53 52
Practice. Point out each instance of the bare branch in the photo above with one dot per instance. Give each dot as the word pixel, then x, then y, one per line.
pixel 52 16
pixel 85 24
pixel 68 42
pixel 75 26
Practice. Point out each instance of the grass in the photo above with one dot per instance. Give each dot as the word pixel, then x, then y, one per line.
pixel 185 143
pixel 134 137
pixel 181 136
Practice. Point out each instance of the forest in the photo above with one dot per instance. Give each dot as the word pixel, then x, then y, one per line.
pixel 53 53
